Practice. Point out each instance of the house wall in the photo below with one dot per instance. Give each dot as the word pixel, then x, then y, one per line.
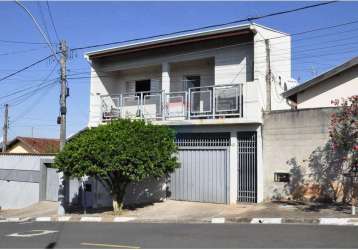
pixel 203 67
pixel 144 192
pixel 340 86
pixel 280 61
pixel 289 138
pixel 220 62
pixel 21 180
pixel 17 148
pixel 124 81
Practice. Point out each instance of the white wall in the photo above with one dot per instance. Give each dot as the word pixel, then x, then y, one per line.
pixel 222 65
pixel 203 67
pixel 341 86
pixel 280 58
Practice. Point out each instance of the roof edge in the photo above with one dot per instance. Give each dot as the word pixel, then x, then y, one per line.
pixel 324 76
pixel 171 38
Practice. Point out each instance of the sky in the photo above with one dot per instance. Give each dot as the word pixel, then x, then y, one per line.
pixel 34 113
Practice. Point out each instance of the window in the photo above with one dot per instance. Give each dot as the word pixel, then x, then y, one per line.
pixel 142 85
pixel 191 81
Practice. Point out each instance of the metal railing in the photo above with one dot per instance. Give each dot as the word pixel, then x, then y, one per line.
pixel 208 102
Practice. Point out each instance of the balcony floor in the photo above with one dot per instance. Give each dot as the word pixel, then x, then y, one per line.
pixel 219 121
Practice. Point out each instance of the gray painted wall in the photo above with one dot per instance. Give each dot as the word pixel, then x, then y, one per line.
pixel 289 138
pixel 22 180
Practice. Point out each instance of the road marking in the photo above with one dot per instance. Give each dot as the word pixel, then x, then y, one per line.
pixel 91 219
pixel 266 221
pixel 217 220
pixel 108 245
pixel 338 221
pixel 64 218
pixel 13 219
pixel 29 234
pixel 123 219
pixel 43 219
pixel 25 219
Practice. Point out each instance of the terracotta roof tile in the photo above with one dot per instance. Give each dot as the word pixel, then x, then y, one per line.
pixel 41 145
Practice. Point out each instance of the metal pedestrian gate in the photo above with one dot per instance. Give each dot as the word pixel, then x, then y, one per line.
pixel 203 174
pixel 247 167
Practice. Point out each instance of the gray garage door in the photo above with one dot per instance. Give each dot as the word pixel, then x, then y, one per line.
pixel 52 184
pixel 203 175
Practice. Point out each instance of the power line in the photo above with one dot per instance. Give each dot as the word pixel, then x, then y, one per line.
pixel 25 68
pixel 20 51
pixel 300 33
pixel 250 19
pixel 22 42
pixel 39 6
pixel 31 87
pixel 38 27
pixel 52 20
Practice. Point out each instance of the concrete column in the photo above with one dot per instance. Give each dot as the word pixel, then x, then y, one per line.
pixel 233 168
pixel 95 116
pixel 260 166
pixel 165 77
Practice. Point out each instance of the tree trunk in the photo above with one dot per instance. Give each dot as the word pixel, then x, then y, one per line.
pixel 117 197
pixel 117 205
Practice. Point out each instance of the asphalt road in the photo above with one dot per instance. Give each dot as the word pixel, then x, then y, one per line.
pixel 138 235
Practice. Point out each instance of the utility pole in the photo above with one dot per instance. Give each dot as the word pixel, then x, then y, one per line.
pixel 5 128
pixel 268 76
pixel 62 121
pixel 63 96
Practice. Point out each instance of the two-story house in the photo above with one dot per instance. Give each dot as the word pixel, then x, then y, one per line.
pixel 211 86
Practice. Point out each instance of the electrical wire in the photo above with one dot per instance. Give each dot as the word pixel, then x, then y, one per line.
pixel 21 51
pixel 39 28
pixel 43 20
pixel 250 19
pixel 52 20
pixel 25 68
pixel 31 87
pixel 22 42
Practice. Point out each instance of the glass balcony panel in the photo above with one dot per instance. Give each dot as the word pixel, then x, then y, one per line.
pixel 152 106
pixel 131 106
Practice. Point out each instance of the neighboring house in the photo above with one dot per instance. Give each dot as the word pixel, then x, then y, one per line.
pixel 339 82
pixel 210 86
pixel 301 135
pixel 26 176
pixel 31 145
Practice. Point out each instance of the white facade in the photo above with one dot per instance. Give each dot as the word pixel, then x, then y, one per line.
pixel 239 60
pixel 343 85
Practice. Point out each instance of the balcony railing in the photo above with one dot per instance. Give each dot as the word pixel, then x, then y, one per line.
pixel 207 102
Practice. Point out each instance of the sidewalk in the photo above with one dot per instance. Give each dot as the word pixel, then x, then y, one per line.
pixel 43 208
pixel 194 212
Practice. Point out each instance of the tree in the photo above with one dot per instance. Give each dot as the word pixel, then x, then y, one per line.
pixel 118 153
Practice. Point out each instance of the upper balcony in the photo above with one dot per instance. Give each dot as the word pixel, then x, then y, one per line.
pixel 209 102
pixel 189 92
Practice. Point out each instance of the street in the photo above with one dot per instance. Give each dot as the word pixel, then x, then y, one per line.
pixel 140 235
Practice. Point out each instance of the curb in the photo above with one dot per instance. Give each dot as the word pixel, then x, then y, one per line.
pixel 214 220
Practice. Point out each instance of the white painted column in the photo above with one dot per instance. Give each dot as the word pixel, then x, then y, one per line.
pixel 95 116
pixel 233 168
pixel 165 77
pixel 260 166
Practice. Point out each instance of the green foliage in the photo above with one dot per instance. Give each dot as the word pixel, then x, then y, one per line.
pixel 120 152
